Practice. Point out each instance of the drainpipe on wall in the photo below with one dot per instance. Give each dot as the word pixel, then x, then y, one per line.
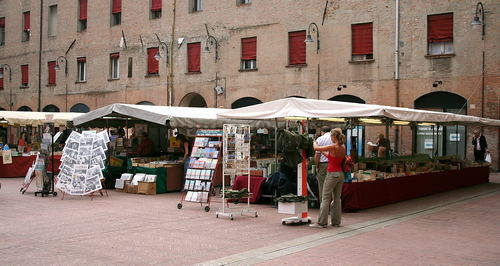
pixel 170 79
pixel 40 60
pixel 396 75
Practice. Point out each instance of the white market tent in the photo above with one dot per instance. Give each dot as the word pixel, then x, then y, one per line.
pixel 184 117
pixel 321 109
pixel 37 118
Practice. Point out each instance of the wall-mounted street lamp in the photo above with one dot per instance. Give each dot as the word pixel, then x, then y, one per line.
pixel 59 60
pixel 162 47
pixel 479 21
pixel 7 67
pixel 313 28
pixel 212 41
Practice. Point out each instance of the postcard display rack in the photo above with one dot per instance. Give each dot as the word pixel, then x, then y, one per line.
pixel 203 166
pixel 236 162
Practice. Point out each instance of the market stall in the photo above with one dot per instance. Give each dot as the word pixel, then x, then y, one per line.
pixel 165 163
pixel 23 138
pixel 376 186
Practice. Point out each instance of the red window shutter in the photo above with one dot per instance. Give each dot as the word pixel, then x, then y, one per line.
pixel 1 79
pixel 117 6
pixel 81 59
pixel 26 21
pixel 249 48
pixel 24 74
pixel 52 72
pixel 152 62
pixel 194 50
pixel 362 38
pixel 83 9
pixel 155 5
pixel 2 22
pixel 297 47
pixel 440 28
pixel 114 55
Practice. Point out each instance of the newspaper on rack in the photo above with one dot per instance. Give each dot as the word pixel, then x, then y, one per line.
pixel 82 162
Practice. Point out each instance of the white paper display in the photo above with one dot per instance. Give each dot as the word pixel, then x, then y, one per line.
pixel 82 162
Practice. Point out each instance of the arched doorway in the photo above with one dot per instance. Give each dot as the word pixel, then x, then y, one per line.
pixel 145 103
pixel 441 140
pixel 347 98
pixel 25 109
pixel 193 99
pixel 50 108
pixel 355 136
pixel 245 101
pixel 2 109
pixel 296 96
pixel 80 108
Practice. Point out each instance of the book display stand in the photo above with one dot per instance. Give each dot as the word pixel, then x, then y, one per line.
pixel 202 172
pixel 236 162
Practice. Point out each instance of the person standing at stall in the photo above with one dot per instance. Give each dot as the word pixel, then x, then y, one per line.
pixel 480 146
pixel 321 160
pixel 332 186
pixel 145 146
pixel 186 149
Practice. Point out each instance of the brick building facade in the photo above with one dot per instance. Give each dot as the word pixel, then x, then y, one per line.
pixel 445 63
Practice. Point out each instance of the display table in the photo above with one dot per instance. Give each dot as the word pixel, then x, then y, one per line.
pixel 364 195
pixel 20 165
pixel 256 182
pixel 168 179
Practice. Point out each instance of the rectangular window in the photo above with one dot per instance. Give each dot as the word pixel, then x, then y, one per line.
pixel 1 78
pixel 26 27
pixel 81 67
pixel 153 65
pixel 195 5
pixel 116 12
pixel 2 31
pixel 243 2
pixel 82 15
pixel 24 76
pixel 156 9
pixel 52 20
pixel 193 54
pixel 52 73
pixel 249 53
pixel 297 48
pixel 440 34
pixel 362 41
pixel 114 65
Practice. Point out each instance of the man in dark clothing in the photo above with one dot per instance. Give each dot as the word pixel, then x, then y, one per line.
pixel 480 146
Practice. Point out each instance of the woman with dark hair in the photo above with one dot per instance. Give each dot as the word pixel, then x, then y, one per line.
pixel 332 186
pixel 186 148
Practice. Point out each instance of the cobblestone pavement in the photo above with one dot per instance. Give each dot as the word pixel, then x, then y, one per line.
pixel 459 227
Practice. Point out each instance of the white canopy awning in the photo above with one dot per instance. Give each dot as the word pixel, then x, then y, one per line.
pixel 37 118
pixel 185 117
pixel 310 108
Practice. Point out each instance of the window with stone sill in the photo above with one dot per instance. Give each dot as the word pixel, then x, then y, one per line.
pixel 81 68
pixel 243 2
pixel 195 6
pixel 440 34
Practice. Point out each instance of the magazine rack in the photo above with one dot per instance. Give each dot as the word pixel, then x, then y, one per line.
pixel 204 169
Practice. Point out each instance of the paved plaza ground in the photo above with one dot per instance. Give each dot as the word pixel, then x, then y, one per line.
pixel 460 227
